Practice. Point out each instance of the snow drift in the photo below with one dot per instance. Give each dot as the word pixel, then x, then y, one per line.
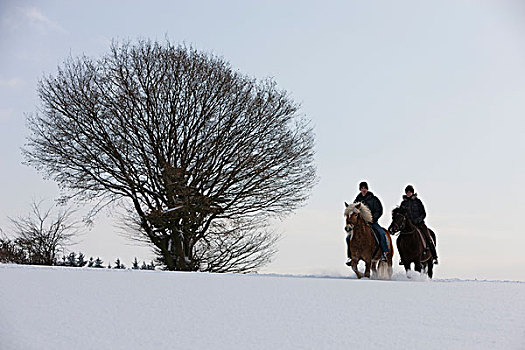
pixel 64 308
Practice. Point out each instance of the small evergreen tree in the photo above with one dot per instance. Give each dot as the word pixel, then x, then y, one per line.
pixel 119 265
pixel 71 260
pixel 98 263
pixel 135 264
pixel 80 260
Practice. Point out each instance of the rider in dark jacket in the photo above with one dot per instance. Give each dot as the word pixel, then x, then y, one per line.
pixel 374 204
pixel 416 213
pixel 371 201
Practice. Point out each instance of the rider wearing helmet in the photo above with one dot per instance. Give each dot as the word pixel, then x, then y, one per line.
pixel 374 204
pixel 416 214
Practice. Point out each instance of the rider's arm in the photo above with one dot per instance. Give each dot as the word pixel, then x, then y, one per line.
pixel 423 214
pixel 379 209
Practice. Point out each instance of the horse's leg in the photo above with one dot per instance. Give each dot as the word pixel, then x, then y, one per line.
pixel 417 266
pixel 374 268
pixel 406 264
pixel 430 271
pixel 390 257
pixel 368 263
pixel 354 267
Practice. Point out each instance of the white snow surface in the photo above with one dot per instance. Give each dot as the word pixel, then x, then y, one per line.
pixel 84 308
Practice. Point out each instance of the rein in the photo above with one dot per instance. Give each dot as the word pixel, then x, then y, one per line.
pixel 409 232
pixel 415 230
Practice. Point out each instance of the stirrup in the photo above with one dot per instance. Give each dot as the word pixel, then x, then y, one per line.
pixel 383 257
pixel 348 262
pixel 435 261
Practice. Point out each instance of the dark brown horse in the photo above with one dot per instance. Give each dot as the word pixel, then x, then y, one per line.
pixel 410 243
pixel 363 245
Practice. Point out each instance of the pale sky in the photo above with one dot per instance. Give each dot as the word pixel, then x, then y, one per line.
pixel 431 94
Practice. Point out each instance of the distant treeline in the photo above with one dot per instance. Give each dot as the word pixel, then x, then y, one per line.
pixel 13 253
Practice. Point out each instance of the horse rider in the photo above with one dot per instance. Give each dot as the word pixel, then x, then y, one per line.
pixel 374 204
pixel 416 213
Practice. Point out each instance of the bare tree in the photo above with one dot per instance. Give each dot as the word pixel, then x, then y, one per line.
pixel 43 233
pixel 202 154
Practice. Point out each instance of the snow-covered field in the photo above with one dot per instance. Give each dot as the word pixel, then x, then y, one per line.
pixel 72 308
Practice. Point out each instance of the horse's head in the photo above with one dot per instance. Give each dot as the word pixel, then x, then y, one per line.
pixel 353 212
pixel 399 220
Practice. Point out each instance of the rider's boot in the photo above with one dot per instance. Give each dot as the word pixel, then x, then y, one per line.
pixel 430 244
pixel 434 254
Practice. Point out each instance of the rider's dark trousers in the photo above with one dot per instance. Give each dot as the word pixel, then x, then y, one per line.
pixel 382 237
pixel 348 255
pixel 430 242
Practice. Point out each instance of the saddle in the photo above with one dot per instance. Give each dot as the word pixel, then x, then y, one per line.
pixel 422 238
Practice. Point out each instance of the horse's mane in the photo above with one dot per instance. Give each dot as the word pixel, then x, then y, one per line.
pixel 363 210
pixel 399 210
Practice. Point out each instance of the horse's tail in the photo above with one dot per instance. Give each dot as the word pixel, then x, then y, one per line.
pixel 385 270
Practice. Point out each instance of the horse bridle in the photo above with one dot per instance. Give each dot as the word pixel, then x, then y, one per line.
pixel 399 228
pixel 350 226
